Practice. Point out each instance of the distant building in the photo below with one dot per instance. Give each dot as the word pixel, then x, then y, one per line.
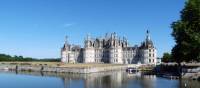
pixel 110 49
pixel 159 61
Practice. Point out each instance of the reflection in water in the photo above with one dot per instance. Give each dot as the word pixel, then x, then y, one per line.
pixel 96 80
pixel 189 84
pixel 114 79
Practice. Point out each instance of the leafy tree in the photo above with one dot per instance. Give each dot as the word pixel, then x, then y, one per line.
pixel 167 57
pixel 4 57
pixel 186 33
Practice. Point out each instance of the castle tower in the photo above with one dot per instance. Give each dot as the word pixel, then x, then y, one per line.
pixel 88 42
pixel 64 51
pixel 148 51
pixel 115 50
pixel 88 53
pixel 67 54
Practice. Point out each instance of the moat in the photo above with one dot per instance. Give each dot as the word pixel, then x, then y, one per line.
pixel 112 79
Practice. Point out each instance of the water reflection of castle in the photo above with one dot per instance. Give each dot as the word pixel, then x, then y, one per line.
pixel 96 80
pixel 107 80
pixel 114 79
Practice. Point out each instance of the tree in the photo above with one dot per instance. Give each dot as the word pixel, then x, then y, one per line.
pixel 4 57
pixel 186 33
pixel 167 57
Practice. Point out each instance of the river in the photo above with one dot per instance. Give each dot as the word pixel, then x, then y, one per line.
pixel 114 79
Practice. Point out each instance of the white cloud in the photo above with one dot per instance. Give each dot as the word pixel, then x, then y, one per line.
pixel 68 25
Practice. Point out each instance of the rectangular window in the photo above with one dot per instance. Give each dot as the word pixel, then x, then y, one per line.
pixel 149 50
pixel 149 55
pixel 149 60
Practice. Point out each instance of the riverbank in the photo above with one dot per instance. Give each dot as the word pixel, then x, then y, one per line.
pixel 172 71
pixel 61 67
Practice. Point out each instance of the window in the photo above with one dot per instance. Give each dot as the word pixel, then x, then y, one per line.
pixel 153 60
pixel 149 55
pixel 149 60
pixel 116 55
pixel 149 50
pixel 153 55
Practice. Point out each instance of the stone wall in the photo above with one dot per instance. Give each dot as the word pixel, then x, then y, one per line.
pixel 63 69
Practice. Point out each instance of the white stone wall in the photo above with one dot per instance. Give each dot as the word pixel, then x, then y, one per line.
pixel 71 57
pixel 153 56
pixel 111 55
pixel 120 56
pixel 144 56
pixel 64 56
pixel 76 56
pixel 89 55
pixel 128 56
pixel 148 56
pixel 116 56
pixel 98 55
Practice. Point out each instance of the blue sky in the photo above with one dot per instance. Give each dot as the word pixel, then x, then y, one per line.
pixel 36 28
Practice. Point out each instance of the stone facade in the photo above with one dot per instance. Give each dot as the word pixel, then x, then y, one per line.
pixel 110 49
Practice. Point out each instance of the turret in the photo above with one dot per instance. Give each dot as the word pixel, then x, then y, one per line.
pixel 148 42
pixel 88 53
pixel 65 50
pixel 148 36
pixel 88 41
pixel 148 51
pixel 67 45
pixel 115 51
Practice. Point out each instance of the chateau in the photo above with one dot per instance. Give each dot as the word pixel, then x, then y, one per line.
pixel 110 49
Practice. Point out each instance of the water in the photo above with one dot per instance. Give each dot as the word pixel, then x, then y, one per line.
pixel 117 79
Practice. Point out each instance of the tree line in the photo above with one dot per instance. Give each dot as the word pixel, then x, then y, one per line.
pixel 4 57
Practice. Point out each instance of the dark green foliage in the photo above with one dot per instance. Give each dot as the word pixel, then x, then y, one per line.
pixel 167 57
pixel 167 69
pixel 186 33
pixel 4 57
pixel 49 60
